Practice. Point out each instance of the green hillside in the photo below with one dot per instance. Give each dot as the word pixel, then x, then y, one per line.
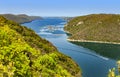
pixel 21 18
pixel 24 54
pixel 95 27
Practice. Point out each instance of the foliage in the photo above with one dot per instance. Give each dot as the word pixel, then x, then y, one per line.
pixel 22 18
pixel 24 54
pixel 95 27
pixel 112 71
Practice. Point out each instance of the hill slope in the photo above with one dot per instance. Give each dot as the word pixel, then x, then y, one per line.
pixel 95 27
pixel 22 18
pixel 24 54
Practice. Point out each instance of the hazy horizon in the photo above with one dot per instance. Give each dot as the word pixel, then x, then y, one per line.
pixel 56 16
pixel 68 8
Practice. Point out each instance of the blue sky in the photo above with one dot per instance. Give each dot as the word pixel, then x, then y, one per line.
pixel 59 7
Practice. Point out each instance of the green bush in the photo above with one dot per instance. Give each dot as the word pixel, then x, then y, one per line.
pixel 24 54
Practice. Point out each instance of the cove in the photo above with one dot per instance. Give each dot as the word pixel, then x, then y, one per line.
pixel 91 63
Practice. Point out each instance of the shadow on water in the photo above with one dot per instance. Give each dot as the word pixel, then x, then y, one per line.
pixel 91 64
pixel 107 50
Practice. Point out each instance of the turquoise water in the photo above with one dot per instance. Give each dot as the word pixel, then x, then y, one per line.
pixel 92 64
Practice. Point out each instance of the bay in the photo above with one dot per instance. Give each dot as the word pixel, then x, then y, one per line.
pixel 91 63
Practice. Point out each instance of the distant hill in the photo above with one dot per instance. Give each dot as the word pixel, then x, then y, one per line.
pixel 68 18
pixel 24 54
pixel 21 18
pixel 95 28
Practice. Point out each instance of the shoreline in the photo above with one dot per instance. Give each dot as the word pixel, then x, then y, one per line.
pixel 89 41
pixel 29 21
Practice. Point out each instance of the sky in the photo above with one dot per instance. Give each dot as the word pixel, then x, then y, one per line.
pixel 59 7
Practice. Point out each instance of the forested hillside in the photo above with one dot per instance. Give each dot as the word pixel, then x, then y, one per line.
pixel 21 18
pixel 24 54
pixel 95 27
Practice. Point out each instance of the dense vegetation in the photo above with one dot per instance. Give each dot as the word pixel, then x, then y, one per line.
pixel 95 27
pixel 24 54
pixel 112 72
pixel 22 18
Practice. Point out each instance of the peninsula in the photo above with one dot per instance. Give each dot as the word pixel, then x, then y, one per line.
pixel 103 28
pixel 21 18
